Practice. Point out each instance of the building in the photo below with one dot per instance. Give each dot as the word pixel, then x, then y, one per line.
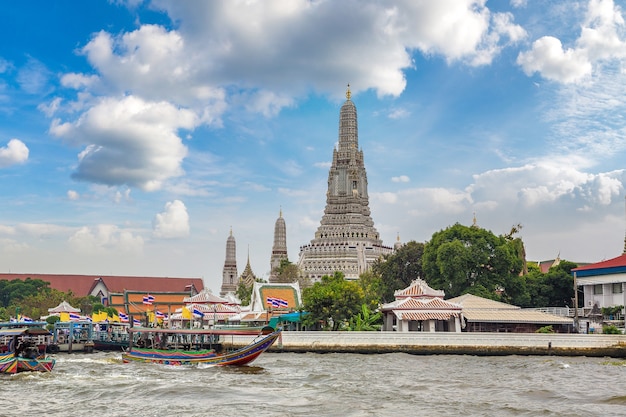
pixel 279 249
pixel 603 283
pixel 485 315
pixel 419 308
pixel 102 286
pixel 229 273
pixel 346 239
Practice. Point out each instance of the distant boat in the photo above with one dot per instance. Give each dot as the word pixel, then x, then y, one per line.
pixel 111 336
pixel 197 346
pixel 23 349
pixel 72 336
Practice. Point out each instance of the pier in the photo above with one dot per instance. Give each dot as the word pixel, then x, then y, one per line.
pixel 421 343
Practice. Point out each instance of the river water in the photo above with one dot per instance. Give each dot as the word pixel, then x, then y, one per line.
pixel 309 384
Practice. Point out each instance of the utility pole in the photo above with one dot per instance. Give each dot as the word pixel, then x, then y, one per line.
pixel 576 324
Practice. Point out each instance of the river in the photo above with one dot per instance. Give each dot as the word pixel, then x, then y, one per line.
pixel 309 384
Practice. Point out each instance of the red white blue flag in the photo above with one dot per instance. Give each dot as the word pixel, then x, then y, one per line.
pixel 148 299
pixel 276 302
pixel 123 317
pixel 74 316
pixel 159 315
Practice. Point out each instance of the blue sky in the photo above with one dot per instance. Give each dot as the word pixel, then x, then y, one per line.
pixel 135 134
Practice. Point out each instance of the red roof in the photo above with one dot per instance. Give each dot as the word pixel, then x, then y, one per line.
pixel 81 285
pixel 610 263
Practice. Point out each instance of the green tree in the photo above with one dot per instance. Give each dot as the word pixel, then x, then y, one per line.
pixel 399 269
pixel 463 259
pixel 373 288
pixel 289 272
pixel 333 301
pixel 366 320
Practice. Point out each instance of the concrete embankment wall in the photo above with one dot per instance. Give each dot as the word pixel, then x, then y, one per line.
pixel 486 344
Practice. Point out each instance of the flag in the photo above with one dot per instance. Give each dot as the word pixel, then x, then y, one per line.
pixel 25 319
pixel 159 315
pixel 148 299
pixel 197 312
pixel 136 322
pixel 282 303
pixel 123 317
pixel 74 316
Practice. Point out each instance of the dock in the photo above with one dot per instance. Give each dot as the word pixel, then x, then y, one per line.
pixel 439 343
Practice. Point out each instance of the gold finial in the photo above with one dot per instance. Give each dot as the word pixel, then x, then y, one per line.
pixel 398 238
pixel 348 93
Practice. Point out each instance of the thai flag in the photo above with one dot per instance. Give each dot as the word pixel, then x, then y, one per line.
pixel 148 299
pixel 159 315
pixel 74 316
pixel 26 319
pixel 123 317
pixel 282 303
pixel 271 301
pixel 197 312
pixel 136 322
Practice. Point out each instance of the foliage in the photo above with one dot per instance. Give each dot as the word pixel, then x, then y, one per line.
pixel 555 288
pixel 611 330
pixel 545 329
pixel 463 259
pixel 612 311
pixel 333 301
pixel 366 320
pixel 99 307
pixel 399 269
pixel 288 272
pixel 373 288
pixel 12 292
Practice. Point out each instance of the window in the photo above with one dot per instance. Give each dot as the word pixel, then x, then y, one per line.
pixel 617 288
pixel 597 289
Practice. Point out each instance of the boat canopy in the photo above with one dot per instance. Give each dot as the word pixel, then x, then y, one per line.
pixel 25 331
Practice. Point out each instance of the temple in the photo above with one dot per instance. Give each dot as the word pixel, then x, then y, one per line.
pixel 229 273
pixel 346 239
pixel 279 249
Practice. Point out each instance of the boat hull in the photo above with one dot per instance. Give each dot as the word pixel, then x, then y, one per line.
pixel 11 365
pixel 238 357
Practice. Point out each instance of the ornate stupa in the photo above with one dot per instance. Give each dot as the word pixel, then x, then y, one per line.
pixel 279 249
pixel 229 273
pixel 346 239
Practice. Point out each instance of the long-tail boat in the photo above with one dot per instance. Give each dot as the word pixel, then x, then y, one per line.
pixel 23 349
pixel 197 346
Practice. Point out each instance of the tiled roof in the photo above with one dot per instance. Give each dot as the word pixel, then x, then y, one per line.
pixel 425 315
pixel 81 285
pixel 619 261
pixel 206 297
pixel 426 304
pixel 473 302
pixel 418 288
pixel 514 316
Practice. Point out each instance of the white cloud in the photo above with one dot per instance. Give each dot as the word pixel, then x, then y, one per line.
pixel 105 238
pixel 78 81
pixel 33 77
pixel 15 152
pixel 51 108
pixel 128 141
pixel 401 178
pixel 399 113
pixel 600 40
pixel 173 222
pixel 73 195
pixel 549 59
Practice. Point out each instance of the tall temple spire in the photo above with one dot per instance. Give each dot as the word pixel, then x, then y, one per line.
pixel 279 249
pixel 346 240
pixel 229 273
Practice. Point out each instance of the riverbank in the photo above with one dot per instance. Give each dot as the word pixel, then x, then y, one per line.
pixel 420 343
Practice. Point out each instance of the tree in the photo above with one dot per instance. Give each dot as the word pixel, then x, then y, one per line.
pixel 399 269
pixel 373 288
pixel 366 320
pixel 289 272
pixel 333 301
pixel 463 259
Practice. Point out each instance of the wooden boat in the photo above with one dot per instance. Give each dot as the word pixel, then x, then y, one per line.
pixel 197 346
pixel 72 336
pixel 111 336
pixel 24 350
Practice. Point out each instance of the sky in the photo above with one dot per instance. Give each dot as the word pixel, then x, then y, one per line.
pixel 136 135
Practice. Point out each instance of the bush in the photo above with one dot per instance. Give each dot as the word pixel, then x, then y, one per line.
pixel 545 329
pixel 610 330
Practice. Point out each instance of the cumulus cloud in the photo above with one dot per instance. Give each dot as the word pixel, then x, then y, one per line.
pixel 105 238
pixel 173 222
pixel 401 178
pixel 16 152
pixel 128 141
pixel 601 39
pixel 72 195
